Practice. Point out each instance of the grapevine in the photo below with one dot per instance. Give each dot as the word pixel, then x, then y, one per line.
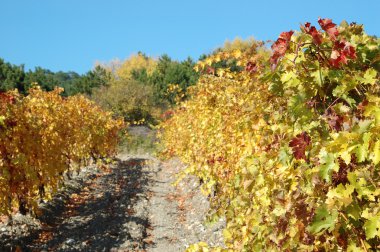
pixel 288 147
pixel 42 137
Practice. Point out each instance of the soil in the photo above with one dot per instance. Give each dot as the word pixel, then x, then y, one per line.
pixel 132 205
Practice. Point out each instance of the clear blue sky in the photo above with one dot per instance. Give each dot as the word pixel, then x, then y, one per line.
pixel 72 34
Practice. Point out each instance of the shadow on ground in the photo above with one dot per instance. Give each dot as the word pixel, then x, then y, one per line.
pixel 103 213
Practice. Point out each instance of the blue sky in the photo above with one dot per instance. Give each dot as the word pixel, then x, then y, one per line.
pixel 73 34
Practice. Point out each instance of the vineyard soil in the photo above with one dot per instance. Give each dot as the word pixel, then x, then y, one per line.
pixel 132 206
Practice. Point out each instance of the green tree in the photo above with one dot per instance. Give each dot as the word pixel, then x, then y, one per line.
pixel 96 78
pixel 11 76
pixel 172 72
pixel 43 77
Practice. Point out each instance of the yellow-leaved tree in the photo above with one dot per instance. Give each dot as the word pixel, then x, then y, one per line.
pixel 135 64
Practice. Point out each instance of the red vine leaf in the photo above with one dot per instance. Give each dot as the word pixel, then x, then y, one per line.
pixel 362 105
pixel 299 144
pixel 360 109
pixel 346 48
pixel 6 98
pixel 328 26
pixel 210 70
pixel 279 47
pixel 168 114
pixel 341 51
pixel 340 177
pixel 334 120
pixel 251 67
pixel 311 30
pixel 311 103
pixel 343 241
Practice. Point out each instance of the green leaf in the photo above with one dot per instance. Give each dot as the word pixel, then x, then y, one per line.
pixel 317 76
pixel 284 156
pixel 372 227
pixel 353 247
pixel 377 117
pixel 346 84
pixel 361 150
pixel 372 109
pixel 290 79
pixel 350 101
pixel 298 109
pixel 361 153
pixel 361 186
pixel 370 76
pixel 340 195
pixel 354 211
pixel 323 220
pixel 352 178
pixel 336 75
pixel 2 118
pixel 363 126
pixel 346 156
pixel 276 87
pixel 328 165
pixel 376 153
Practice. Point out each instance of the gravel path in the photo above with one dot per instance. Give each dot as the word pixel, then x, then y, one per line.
pixel 177 214
pixel 131 206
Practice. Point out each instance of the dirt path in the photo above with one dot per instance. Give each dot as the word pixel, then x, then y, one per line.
pixel 132 206
pixel 177 214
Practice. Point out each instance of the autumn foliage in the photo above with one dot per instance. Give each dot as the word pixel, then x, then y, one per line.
pixel 288 148
pixel 42 137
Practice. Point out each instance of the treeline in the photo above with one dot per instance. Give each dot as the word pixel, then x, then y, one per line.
pixel 135 89
pixel 139 88
pixel 15 77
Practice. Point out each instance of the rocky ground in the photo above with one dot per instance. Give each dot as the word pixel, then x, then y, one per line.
pixel 130 206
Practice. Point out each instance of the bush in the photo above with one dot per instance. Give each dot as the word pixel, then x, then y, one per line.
pixel 129 99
